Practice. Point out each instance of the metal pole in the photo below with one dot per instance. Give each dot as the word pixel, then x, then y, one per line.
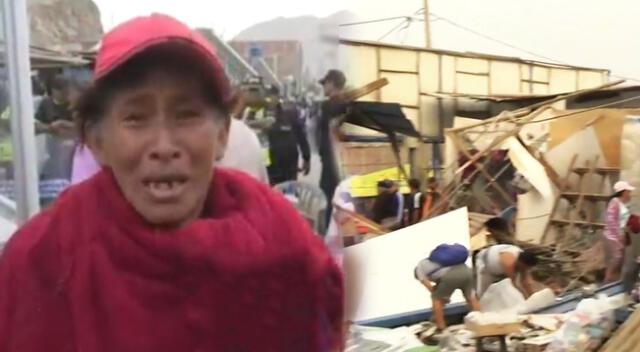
pixel 427 28
pixel 16 29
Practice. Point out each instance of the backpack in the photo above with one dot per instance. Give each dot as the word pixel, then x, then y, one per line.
pixel 449 254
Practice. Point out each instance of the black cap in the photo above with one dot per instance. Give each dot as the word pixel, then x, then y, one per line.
pixel 335 76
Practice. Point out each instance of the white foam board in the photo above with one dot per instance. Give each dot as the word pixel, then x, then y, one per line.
pixel 379 272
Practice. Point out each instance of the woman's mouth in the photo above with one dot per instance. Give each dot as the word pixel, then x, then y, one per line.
pixel 165 189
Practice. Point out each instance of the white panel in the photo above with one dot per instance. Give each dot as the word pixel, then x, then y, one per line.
pixel 525 88
pixel 472 84
pixel 429 73
pixel 398 60
pixel 448 72
pixel 402 88
pixel 562 81
pixel 360 67
pixel 540 89
pixel 590 79
pixel 540 74
pixel 505 77
pixel 525 72
pixel 380 270
pixel 472 65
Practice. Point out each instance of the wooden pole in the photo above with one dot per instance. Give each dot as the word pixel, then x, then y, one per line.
pixel 427 27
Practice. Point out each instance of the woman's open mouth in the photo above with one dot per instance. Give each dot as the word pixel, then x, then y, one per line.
pixel 165 188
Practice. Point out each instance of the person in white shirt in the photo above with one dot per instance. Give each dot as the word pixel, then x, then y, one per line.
pixel 502 261
pixel 244 151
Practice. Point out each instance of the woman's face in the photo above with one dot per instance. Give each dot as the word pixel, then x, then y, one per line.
pixel 160 138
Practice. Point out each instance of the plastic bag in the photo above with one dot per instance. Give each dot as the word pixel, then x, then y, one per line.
pixel 585 328
pixel 501 296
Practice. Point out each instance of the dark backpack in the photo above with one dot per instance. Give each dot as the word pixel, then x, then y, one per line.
pixel 449 254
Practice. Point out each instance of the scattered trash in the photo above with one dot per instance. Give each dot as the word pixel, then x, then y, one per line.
pixel 585 328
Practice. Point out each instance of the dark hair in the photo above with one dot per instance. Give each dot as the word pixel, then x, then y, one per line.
pixel 618 194
pixel 92 104
pixel 414 183
pixel 497 224
pixel 528 258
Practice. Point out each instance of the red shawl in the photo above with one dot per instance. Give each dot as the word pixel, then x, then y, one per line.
pixel 89 275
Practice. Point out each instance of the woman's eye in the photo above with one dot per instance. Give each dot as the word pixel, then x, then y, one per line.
pixel 133 119
pixel 188 114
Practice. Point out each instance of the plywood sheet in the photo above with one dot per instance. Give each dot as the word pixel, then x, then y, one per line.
pixel 448 72
pixel 525 72
pixel 540 74
pixel 540 89
pixel 379 272
pixel 562 81
pixel 472 84
pixel 606 123
pixel 429 68
pixel 402 89
pixel 398 60
pixel 472 65
pixel 590 79
pixel 505 77
pixel 534 207
pixel 361 67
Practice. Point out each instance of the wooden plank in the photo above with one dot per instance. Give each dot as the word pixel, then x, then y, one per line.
pixel 460 145
pixel 564 185
pixel 362 91
pixel 625 335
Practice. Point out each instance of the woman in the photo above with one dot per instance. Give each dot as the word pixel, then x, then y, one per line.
pixel 159 251
pixel 616 217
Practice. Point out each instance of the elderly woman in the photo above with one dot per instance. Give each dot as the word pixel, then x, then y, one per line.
pixel 160 251
pixel 616 217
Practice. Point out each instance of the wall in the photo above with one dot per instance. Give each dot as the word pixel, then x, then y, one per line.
pixel 417 75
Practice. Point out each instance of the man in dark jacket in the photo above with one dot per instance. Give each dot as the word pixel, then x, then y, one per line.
pixel 333 83
pixel 286 136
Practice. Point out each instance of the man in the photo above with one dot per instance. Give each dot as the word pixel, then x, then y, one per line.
pixel 415 203
pixel 286 135
pixel 499 231
pixel 498 262
pixel 387 208
pixel 333 84
pixel 54 117
pixel 432 206
pixel 447 280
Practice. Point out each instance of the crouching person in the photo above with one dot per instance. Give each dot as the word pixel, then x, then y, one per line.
pixel 444 272
pixel 498 262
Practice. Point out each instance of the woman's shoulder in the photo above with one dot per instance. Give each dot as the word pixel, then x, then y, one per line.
pixel 55 222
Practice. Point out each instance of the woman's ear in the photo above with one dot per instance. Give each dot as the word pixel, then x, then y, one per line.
pixel 95 144
pixel 222 138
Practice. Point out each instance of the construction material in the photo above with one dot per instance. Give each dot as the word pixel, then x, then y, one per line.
pixel 492 324
pixel 626 338
pixel 383 267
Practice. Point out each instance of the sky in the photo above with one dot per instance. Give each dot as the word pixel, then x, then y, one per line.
pixel 226 18
pixel 592 33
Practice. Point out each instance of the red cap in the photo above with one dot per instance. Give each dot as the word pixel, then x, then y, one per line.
pixel 136 35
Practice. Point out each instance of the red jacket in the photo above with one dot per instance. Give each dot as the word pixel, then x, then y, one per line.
pixel 90 275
